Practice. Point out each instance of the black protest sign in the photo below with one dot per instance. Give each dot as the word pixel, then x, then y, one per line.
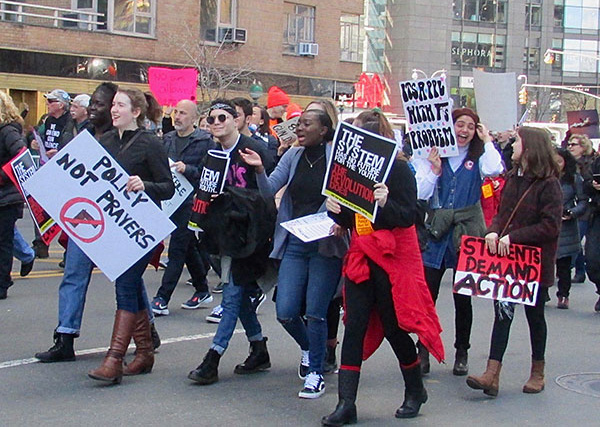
pixel 359 160
pixel 212 181
pixel 428 110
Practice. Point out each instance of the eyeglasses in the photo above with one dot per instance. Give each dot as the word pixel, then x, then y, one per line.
pixel 572 144
pixel 211 119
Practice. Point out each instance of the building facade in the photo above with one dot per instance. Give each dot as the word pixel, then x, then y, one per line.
pixel 309 48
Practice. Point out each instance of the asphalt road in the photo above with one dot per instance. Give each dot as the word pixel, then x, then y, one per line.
pixel 61 394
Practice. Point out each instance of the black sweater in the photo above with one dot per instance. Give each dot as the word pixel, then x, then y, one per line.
pixel 146 158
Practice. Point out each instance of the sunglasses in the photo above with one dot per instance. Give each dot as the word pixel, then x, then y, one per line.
pixel 572 144
pixel 52 101
pixel 211 119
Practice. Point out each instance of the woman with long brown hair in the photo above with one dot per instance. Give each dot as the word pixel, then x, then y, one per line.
pixel 530 213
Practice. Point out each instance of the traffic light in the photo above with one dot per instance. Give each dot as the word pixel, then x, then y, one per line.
pixel 523 95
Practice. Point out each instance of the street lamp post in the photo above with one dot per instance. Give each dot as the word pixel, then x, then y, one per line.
pixel 416 71
pixel 256 91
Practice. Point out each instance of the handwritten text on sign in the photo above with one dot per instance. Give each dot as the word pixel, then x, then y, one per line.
pixel 170 86
pixel 428 109
pixel 114 227
pixel 513 278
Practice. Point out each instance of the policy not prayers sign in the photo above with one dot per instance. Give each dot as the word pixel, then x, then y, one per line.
pixel 114 228
pixel 512 278
pixel 428 110
pixel 359 160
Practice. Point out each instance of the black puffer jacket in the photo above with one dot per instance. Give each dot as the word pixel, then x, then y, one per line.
pixel 11 142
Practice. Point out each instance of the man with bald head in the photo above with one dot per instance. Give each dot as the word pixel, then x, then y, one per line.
pixel 186 146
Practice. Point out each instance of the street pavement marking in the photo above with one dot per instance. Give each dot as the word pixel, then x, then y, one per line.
pixel 21 362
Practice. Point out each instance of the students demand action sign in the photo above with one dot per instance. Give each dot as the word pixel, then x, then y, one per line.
pixel 513 278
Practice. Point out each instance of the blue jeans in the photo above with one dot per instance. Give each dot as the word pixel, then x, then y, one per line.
pixel 236 303
pixel 21 249
pixel 307 283
pixel 73 289
pixel 130 288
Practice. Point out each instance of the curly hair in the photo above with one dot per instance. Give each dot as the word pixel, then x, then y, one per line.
pixel 584 142
pixel 8 110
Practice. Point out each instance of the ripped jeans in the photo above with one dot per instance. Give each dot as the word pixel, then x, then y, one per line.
pixel 307 283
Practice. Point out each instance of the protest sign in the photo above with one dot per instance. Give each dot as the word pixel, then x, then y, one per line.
pixel 212 181
pixel 496 97
pixel 286 131
pixel 512 278
pixel 310 227
pixel 359 160
pixel 584 122
pixel 183 190
pixel 428 110
pixel 114 228
pixel 170 86
pixel 19 170
pixel 42 148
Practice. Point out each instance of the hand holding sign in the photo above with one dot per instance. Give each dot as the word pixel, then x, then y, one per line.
pixel 135 184
pixel 380 194
pixel 491 241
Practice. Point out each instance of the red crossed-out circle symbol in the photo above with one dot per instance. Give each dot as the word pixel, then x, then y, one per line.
pixel 83 219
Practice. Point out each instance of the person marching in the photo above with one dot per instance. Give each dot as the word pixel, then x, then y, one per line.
pixel 144 158
pixel 530 213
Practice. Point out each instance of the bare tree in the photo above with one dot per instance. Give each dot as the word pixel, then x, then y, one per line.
pixel 215 74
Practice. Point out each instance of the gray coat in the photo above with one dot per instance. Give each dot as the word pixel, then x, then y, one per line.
pixel 569 242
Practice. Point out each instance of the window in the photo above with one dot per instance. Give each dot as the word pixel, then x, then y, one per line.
pixel 216 17
pixel 578 16
pixel 533 15
pixel 299 26
pixel 531 54
pixel 478 50
pixel 133 16
pixel 350 38
pixel 480 10
pixel 99 6
pixel 580 64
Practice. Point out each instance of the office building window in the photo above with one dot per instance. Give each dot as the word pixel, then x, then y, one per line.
pixel 533 15
pixel 299 26
pixel 480 10
pixel 478 50
pixel 350 38
pixel 572 62
pixel 577 16
pixel 217 17
pixel 531 54
pixel 133 16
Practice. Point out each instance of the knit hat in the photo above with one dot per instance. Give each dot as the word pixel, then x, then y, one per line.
pixel 293 110
pixel 276 97
pixel 465 112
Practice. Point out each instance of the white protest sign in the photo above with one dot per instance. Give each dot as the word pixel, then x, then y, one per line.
pixel 496 97
pixel 113 227
pixel 428 110
pixel 286 131
pixel 183 190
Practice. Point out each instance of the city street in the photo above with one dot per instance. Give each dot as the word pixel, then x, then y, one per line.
pixel 61 394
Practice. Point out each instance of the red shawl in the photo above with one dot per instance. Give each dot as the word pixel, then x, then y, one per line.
pixel 397 253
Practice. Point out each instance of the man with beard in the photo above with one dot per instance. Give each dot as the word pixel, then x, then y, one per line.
pixel 186 146
pixel 78 267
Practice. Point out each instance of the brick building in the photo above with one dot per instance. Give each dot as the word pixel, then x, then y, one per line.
pixel 75 44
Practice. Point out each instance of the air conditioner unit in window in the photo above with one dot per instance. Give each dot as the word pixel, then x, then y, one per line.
pixel 226 34
pixel 239 35
pixel 308 49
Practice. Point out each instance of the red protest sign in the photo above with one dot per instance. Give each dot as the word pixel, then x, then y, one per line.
pixel 170 86
pixel 513 278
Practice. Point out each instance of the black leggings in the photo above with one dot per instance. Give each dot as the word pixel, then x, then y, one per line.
pixel 360 300
pixel 563 272
pixel 537 327
pixel 333 318
pixel 463 310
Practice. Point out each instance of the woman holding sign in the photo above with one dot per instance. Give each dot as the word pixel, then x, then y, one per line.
pixel 453 187
pixel 309 271
pixel 143 157
pixel 530 213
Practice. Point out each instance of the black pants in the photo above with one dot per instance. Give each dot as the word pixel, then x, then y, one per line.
pixel 463 310
pixel 563 272
pixel 538 331
pixel 333 318
pixel 592 250
pixel 360 300
pixel 8 218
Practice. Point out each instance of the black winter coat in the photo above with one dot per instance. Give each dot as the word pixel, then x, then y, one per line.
pixel 569 243
pixel 11 142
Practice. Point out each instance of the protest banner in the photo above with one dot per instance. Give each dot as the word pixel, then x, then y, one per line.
pixel 359 160
pixel 512 278
pixel 114 228
pixel 19 170
pixel 286 131
pixel 496 97
pixel 212 181
pixel 584 122
pixel 428 110
pixel 183 190
pixel 170 86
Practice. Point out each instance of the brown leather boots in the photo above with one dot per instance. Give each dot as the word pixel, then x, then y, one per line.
pixel 535 384
pixel 490 380
pixel 144 355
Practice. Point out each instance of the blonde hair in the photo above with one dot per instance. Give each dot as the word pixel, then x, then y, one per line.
pixel 8 110
pixel 584 142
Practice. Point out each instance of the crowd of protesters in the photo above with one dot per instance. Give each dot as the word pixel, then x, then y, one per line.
pixel 386 274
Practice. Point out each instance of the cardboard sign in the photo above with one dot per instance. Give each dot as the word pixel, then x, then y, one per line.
pixel 19 170
pixel 183 190
pixel 584 122
pixel 512 278
pixel 359 160
pixel 113 227
pixel 496 97
pixel 286 131
pixel 428 110
pixel 212 181
pixel 170 86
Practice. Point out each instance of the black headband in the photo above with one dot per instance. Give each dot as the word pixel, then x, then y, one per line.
pixel 225 107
